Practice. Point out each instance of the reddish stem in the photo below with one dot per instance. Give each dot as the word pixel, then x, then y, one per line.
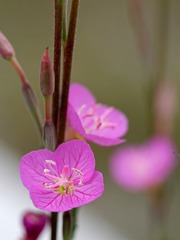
pixel 67 67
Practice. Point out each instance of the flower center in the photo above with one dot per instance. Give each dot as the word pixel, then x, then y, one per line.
pixel 93 121
pixel 66 182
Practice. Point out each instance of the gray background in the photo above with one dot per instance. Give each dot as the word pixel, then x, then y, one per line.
pixel 108 62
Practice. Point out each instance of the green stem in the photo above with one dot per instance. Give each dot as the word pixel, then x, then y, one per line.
pixel 74 221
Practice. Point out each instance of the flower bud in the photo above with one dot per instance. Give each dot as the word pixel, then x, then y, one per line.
pixel 46 75
pixel 49 139
pixel 6 49
pixel 34 224
pixel 32 104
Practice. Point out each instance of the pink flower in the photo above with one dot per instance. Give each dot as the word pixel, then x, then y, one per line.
pixel 139 168
pixel 94 121
pixel 61 180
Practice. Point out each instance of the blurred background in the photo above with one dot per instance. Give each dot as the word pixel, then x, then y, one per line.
pixel 107 60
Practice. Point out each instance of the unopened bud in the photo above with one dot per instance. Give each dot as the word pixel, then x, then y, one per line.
pixel 46 75
pixel 34 223
pixel 32 104
pixel 49 137
pixel 6 49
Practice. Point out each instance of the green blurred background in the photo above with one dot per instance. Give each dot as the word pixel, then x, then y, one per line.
pixel 108 62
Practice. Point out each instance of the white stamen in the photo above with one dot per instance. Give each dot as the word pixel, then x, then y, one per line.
pixel 46 170
pixel 79 173
pixel 80 110
pixel 50 162
pixel 63 183
pixel 107 113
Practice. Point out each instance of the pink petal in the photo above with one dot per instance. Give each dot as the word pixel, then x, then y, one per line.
pixel 53 202
pixel 32 167
pixel 74 121
pixel 104 141
pixel 77 154
pixel 142 167
pixel 49 201
pixel 89 191
pixel 80 95
pixel 115 117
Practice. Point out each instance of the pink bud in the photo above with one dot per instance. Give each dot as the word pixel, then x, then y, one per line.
pixel 6 49
pixel 34 224
pixel 46 75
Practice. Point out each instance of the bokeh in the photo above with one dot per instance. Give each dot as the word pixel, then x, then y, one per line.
pixel 107 60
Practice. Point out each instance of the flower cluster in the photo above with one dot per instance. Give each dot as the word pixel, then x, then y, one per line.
pixel 65 179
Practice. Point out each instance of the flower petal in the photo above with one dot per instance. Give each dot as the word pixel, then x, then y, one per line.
pixel 80 95
pixel 77 154
pixel 74 121
pixel 111 116
pixel 89 191
pixel 32 167
pixel 104 141
pixel 54 202
pixel 49 201
pixel 141 167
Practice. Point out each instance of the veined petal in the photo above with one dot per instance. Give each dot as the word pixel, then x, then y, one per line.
pixel 89 191
pixel 32 167
pixel 78 155
pixel 49 201
pixel 54 202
